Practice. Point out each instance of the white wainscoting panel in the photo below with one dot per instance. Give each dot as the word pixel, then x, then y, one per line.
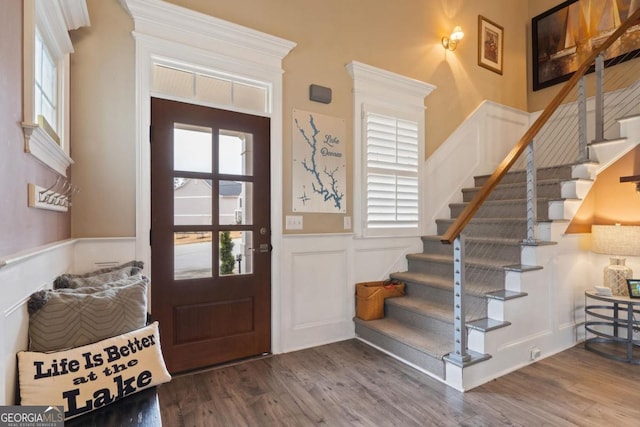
pixel 26 272
pixel 94 253
pixel 313 293
pixel 317 293
pixel 476 147
pixel 319 284
pixel 20 275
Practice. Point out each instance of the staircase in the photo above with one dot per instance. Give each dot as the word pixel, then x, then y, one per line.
pixel 418 328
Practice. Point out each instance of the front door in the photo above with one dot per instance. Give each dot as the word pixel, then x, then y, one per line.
pixel 210 234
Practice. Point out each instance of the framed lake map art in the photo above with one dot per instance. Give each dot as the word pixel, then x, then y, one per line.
pixel 319 168
pixel 565 36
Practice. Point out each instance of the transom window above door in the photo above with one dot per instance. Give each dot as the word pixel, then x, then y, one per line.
pixel 209 88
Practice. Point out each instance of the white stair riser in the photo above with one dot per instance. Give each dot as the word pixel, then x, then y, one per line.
pixel 576 189
pixel 563 209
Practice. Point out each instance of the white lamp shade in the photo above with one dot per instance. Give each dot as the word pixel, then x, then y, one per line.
pixel 457 34
pixel 615 239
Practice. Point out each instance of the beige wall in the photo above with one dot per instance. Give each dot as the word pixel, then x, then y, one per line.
pixel 609 201
pixel 21 227
pixel 402 37
pixel 103 123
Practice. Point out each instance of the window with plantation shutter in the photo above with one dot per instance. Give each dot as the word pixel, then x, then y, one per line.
pixel 391 172
pixel 389 151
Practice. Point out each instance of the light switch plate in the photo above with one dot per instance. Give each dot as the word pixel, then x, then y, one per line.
pixel 293 222
pixel 347 223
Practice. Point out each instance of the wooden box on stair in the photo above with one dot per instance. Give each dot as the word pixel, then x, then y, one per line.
pixel 370 297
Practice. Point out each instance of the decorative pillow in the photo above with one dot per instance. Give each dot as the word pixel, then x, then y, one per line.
pixel 86 378
pixel 98 277
pixel 64 318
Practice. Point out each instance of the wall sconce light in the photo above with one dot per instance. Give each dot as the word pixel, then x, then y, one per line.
pixel 451 42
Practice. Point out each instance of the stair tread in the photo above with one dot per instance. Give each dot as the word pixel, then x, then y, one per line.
pixel 424 307
pixel 504 201
pixel 608 141
pixel 545 168
pixel 479 262
pixel 547 181
pixel 504 295
pixel 427 279
pixel 487 324
pixel 515 201
pixel 508 185
pixel 476 239
pixel 432 343
pixel 445 283
pixel 487 220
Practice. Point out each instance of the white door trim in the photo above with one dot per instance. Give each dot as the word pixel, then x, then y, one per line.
pixel 166 31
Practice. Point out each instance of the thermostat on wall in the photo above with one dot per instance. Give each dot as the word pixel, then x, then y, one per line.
pixel 320 94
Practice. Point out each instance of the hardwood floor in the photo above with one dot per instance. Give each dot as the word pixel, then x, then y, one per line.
pixel 351 384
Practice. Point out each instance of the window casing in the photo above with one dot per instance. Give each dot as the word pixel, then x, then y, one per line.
pixel 46 50
pixel 389 151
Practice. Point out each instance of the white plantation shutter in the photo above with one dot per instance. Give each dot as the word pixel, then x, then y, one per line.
pixel 391 172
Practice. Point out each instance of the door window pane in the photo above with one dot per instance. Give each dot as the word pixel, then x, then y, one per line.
pixel 192 201
pixel 236 253
pixel 235 203
pixel 192 148
pixel 192 255
pixel 236 153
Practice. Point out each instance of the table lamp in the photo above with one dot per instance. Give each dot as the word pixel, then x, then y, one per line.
pixel 617 241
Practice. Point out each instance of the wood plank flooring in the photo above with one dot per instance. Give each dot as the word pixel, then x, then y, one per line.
pixel 352 384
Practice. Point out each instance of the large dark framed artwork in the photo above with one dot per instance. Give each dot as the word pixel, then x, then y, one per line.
pixel 563 37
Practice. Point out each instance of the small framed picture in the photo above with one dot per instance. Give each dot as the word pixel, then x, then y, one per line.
pixel 634 288
pixel 490 45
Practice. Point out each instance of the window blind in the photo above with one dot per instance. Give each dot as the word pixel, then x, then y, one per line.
pixel 391 172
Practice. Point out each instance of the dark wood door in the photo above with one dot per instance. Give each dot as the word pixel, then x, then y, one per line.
pixel 210 234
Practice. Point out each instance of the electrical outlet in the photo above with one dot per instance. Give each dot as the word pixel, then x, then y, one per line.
pixel 293 222
pixel 347 223
pixel 534 353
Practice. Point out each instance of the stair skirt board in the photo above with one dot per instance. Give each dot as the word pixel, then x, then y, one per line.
pixel 401 360
pixel 432 364
pixel 418 328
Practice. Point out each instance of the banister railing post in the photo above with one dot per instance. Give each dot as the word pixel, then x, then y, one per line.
pixel 583 154
pixel 599 98
pixel 460 354
pixel 532 197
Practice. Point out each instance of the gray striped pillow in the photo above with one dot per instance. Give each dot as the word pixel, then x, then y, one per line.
pixel 99 277
pixel 65 318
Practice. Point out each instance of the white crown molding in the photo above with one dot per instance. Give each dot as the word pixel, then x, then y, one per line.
pixel 40 145
pixel 374 81
pixel 52 24
pixel 180 25
pixel 75 13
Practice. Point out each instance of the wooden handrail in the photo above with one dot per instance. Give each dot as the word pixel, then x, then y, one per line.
pixel 469 211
